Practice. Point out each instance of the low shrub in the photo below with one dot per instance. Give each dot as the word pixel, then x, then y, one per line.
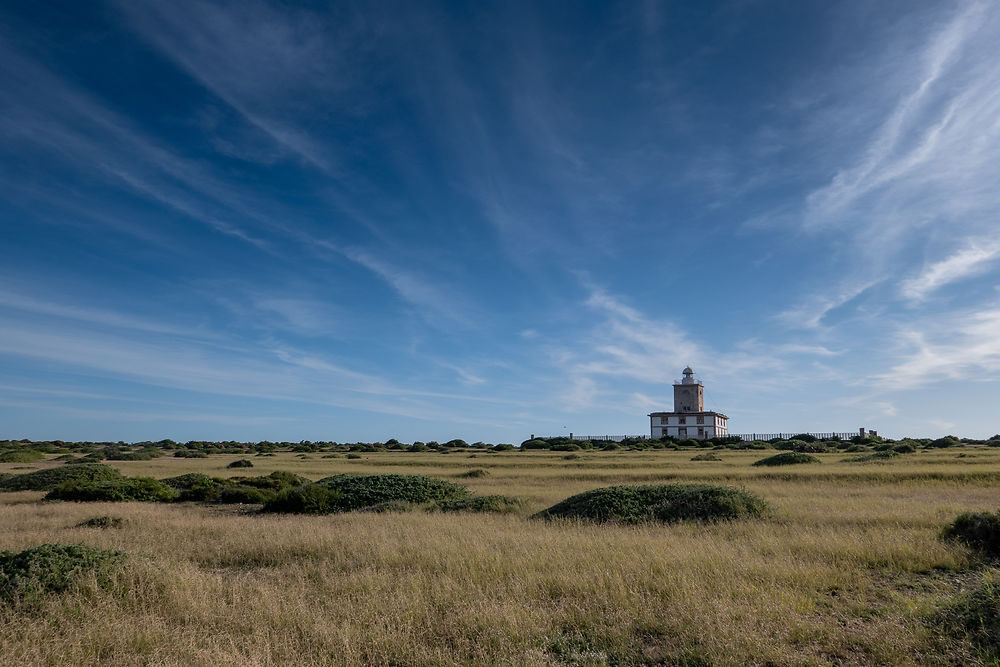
pixel 144 489
pixel 21 456
pixel 503 447
pixel 241 493
pixel 659 502
pixel 874 457
pixel 978 530
pixel 905 448
pixel 187 480
pixel 857 448
pixel 947 441
pixel 611 447
pixel 241 463
pixel 50 478
pixel 308 499
pixel 352 492
pixel 813 447
pixel 787 458
pixel 706 456
pixel 494 504
pixel 191 454
pixel 102 522
pixel 571 457
pixel 394 506
pixel 354 456
pixel 277 480
pixel 475 473
pixel 51 568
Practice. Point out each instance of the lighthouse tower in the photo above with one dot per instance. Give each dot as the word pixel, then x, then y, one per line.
pixel 689 394
pixel 689 418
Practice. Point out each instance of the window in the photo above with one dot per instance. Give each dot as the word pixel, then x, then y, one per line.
pixel 700 420
pixel 664 420
pixel 682 432
pixel 701 430
pixel 682 420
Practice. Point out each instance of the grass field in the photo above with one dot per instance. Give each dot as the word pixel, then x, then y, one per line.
pixel 849 569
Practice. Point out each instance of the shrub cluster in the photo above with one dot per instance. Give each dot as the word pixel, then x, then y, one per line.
pixel 241 463
pixel 255 490
pixel 21 456
pixel 979 530
pixel 50 478
pixel 786 458
pixel 341 493
pixel 874 457
pixel 493 504
pixel 659 502
pixel 706 456
pixel 51 568
pixel 144 489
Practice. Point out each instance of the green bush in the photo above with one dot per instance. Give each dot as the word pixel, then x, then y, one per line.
pixel 503 447
pixel 979 530
pixel 187 481
pixel 659 502
pixel 475 473
pixel 308 499
pixel 51 568
pixel 947 441
pixel 611 447
pixel 706 456
pixel 144 489
pixel 277 480
pixel 191 454
pixel 102 522
pixel 787 458
pixel 241 493
pixel 874 457
pixel 241 463
pixel 21 456
pixel 353 492
pixel 493 504
pixel 50 478
pixel 534 444
pixel 354 456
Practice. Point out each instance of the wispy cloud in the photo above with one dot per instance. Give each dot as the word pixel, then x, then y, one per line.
pixel 970 261
pixel 964 345
pixel 259 60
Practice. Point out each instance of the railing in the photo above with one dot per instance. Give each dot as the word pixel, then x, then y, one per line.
pixel 788 436
pixel 742 436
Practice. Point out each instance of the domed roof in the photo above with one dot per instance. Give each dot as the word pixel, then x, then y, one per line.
pixel 688 371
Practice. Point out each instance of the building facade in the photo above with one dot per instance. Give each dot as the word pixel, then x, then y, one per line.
pixel 689 418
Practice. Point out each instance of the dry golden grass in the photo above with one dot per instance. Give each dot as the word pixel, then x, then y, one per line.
pixel 849 570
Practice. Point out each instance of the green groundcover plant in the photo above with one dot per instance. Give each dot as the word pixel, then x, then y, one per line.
pixel 659 502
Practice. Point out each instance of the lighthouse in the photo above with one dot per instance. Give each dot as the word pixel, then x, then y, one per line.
pixel 689 418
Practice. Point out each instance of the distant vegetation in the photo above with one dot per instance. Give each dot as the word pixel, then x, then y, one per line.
pixel 28 451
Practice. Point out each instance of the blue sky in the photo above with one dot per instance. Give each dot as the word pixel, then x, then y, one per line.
pixel 251 220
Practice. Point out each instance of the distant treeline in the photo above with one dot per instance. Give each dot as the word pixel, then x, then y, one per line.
pixel 86 451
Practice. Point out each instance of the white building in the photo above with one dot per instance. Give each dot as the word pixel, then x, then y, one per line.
pixel 689 418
